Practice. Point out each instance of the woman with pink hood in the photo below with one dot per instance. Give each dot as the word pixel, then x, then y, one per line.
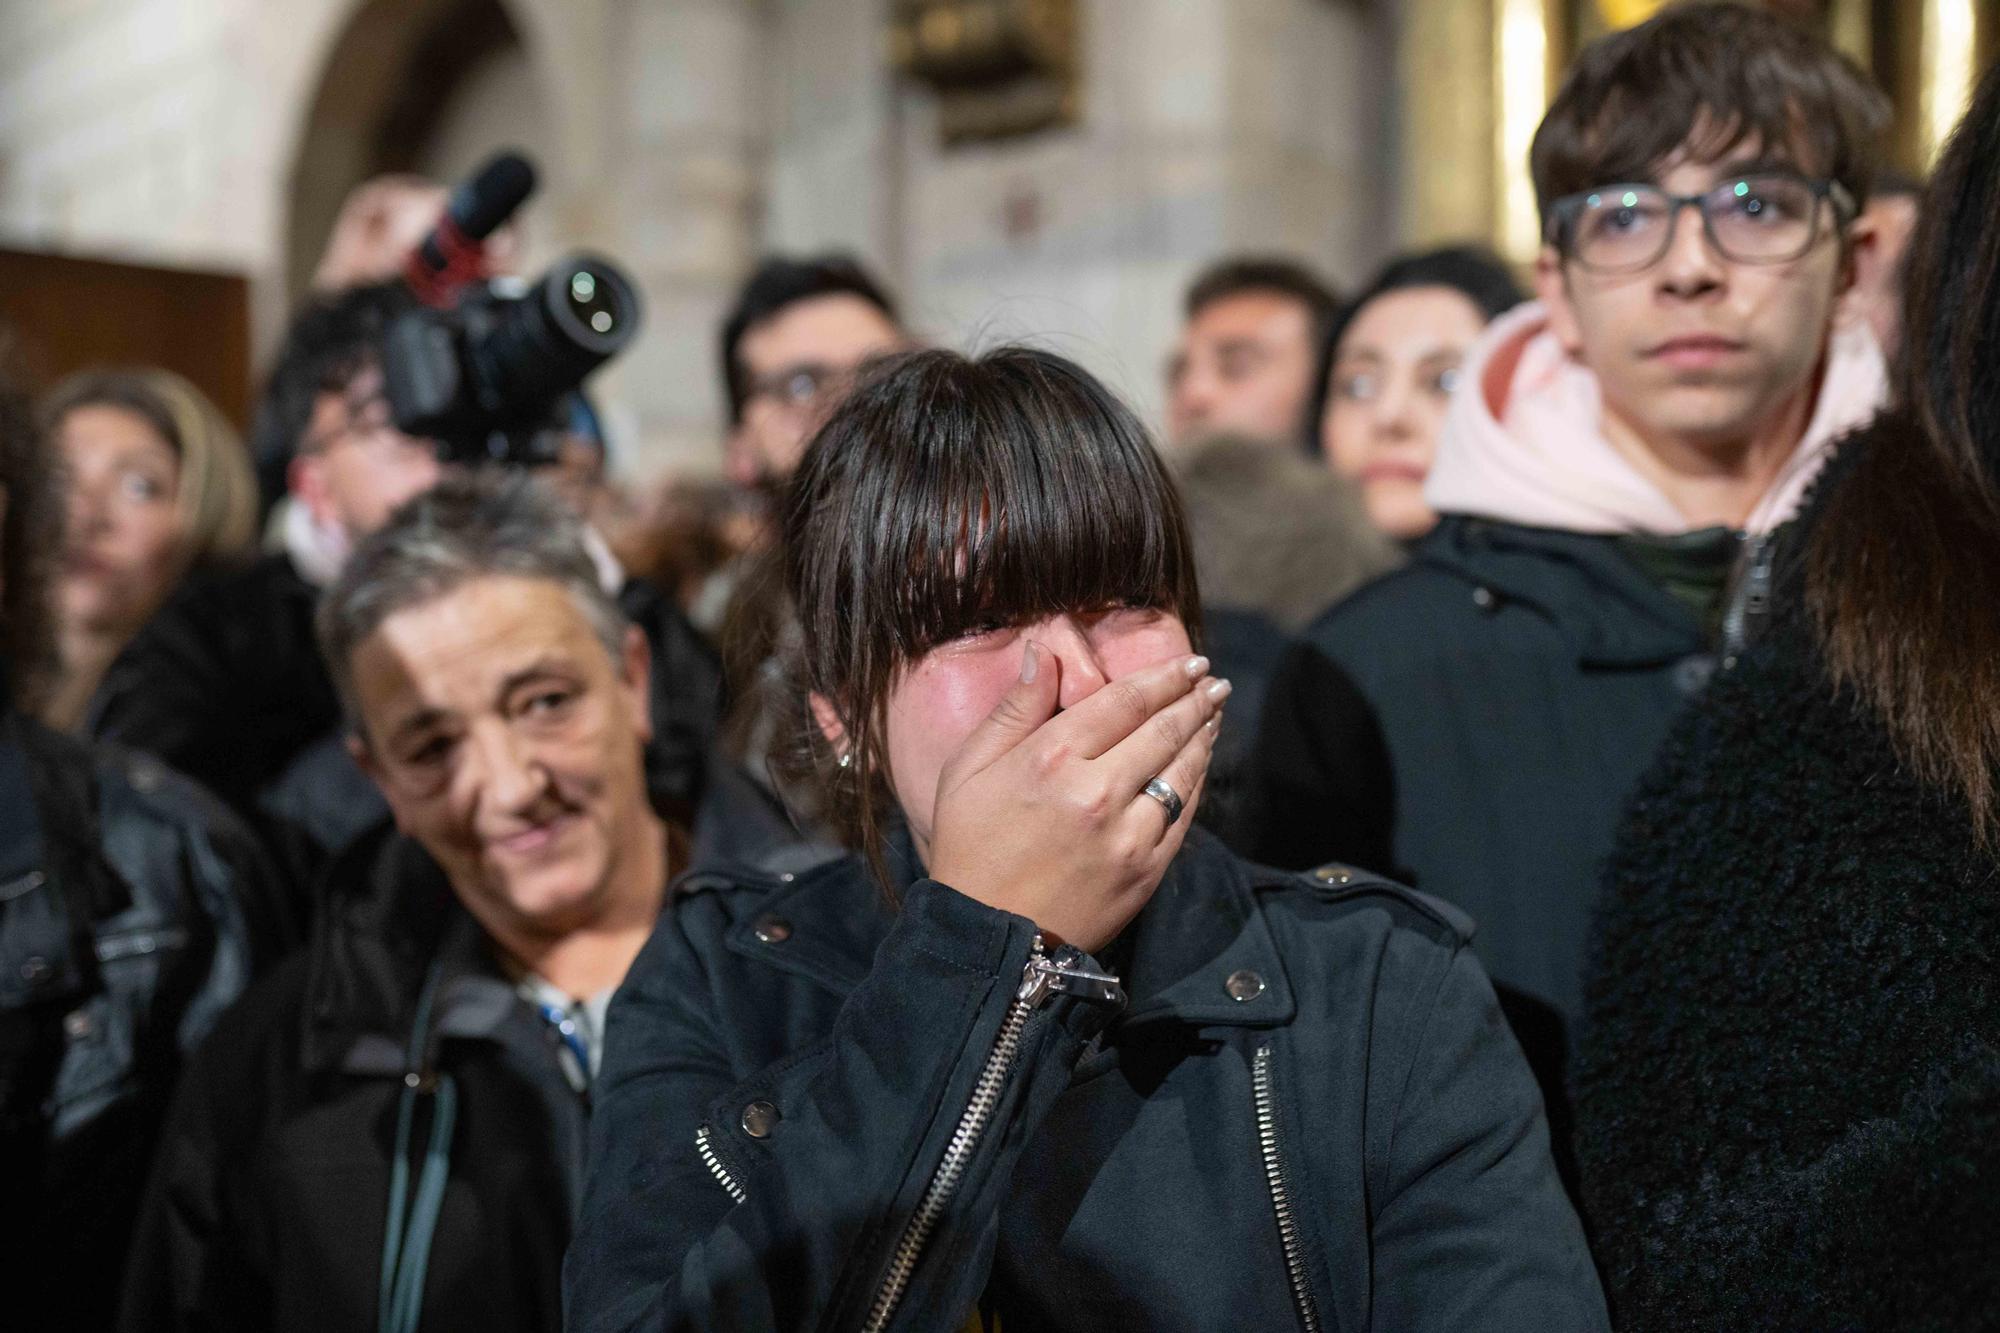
pixel 1609 469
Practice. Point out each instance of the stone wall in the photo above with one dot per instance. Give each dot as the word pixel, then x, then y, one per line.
pixel 683 136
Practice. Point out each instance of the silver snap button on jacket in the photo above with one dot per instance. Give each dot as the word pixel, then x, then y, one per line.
pixel 759 1119
pixel 1244 985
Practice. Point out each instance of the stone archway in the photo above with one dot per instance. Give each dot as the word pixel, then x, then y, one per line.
pixel 653 153
pixel 386 90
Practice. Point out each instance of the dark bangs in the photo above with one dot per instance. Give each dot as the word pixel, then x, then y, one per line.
pixel 986 492
pixel 1026 521
pixel 1709 77
pixel 949 494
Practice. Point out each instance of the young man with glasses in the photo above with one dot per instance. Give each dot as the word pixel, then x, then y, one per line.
pixel 802 331
pixel 1608 471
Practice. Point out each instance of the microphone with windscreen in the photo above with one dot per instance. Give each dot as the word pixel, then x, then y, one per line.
pixel 454 253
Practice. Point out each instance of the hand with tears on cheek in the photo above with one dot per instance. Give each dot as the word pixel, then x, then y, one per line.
pixel 1042 810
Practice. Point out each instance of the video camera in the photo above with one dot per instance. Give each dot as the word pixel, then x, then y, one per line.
pixel 486 368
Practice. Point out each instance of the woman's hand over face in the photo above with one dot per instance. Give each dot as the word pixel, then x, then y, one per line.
pixel 1043 813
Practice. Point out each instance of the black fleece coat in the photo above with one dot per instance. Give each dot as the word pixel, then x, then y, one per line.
pixel 1788 1093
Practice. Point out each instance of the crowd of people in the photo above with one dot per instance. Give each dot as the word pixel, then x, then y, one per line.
pixel 1489 824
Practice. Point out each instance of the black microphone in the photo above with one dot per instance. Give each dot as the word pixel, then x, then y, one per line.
pixel 453 253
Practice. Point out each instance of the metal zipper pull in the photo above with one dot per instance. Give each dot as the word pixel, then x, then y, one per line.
pixel 1066 972
pixel 1747 603
pixel 1037 984
pixel 1281 1199
pixel 714 1164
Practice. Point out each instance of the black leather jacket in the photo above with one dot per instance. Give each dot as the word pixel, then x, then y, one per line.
pixel 130 906
pixel 818 1112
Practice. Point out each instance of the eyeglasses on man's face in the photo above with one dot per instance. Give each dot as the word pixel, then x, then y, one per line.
pixel 804 386
pixel 1760 218
pixel 368 422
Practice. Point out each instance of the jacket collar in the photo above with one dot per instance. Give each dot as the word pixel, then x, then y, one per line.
pixel 1610 611
pixel 1203 927
pixel 388 918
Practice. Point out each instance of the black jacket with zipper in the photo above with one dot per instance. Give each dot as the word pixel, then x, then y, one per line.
pixel 1309 1115
pixel 132 909
pixel 1522 679
pixel 268 1204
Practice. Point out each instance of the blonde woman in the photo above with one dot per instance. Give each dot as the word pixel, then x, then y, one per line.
pixel 157 484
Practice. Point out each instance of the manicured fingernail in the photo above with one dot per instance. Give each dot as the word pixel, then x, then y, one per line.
pixel 1218 690
pixel 1030 662
pixel 1197 667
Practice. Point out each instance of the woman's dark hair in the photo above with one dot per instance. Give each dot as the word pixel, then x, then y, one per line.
pixel 1903 565
pixel 948 493
pixel 1474 272
pixel 31 523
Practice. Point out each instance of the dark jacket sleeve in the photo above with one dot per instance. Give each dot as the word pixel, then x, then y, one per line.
pixel 1321 788
pixel 1474 1229
pixel 196 1260
pixel 863 1121
pixel 160 827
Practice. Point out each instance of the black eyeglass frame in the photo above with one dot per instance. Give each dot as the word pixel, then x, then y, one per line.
pixel 1561 229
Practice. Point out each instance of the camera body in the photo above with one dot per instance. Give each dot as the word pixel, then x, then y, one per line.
pixel 487 376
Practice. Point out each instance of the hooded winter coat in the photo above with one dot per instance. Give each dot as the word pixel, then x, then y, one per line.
pixel 1788 1086
pixel 1524 666
pixel 818 1111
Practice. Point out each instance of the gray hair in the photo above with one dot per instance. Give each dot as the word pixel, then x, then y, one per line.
pixel 491 522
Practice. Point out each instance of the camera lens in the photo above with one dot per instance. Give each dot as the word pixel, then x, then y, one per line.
pixel 593 304
pixel 502 363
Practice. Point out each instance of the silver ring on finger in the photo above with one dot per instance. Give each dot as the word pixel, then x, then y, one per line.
pixel 1158 789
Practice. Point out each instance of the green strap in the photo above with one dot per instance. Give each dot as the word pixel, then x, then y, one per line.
pixel 406 1304
pixel 406 1240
